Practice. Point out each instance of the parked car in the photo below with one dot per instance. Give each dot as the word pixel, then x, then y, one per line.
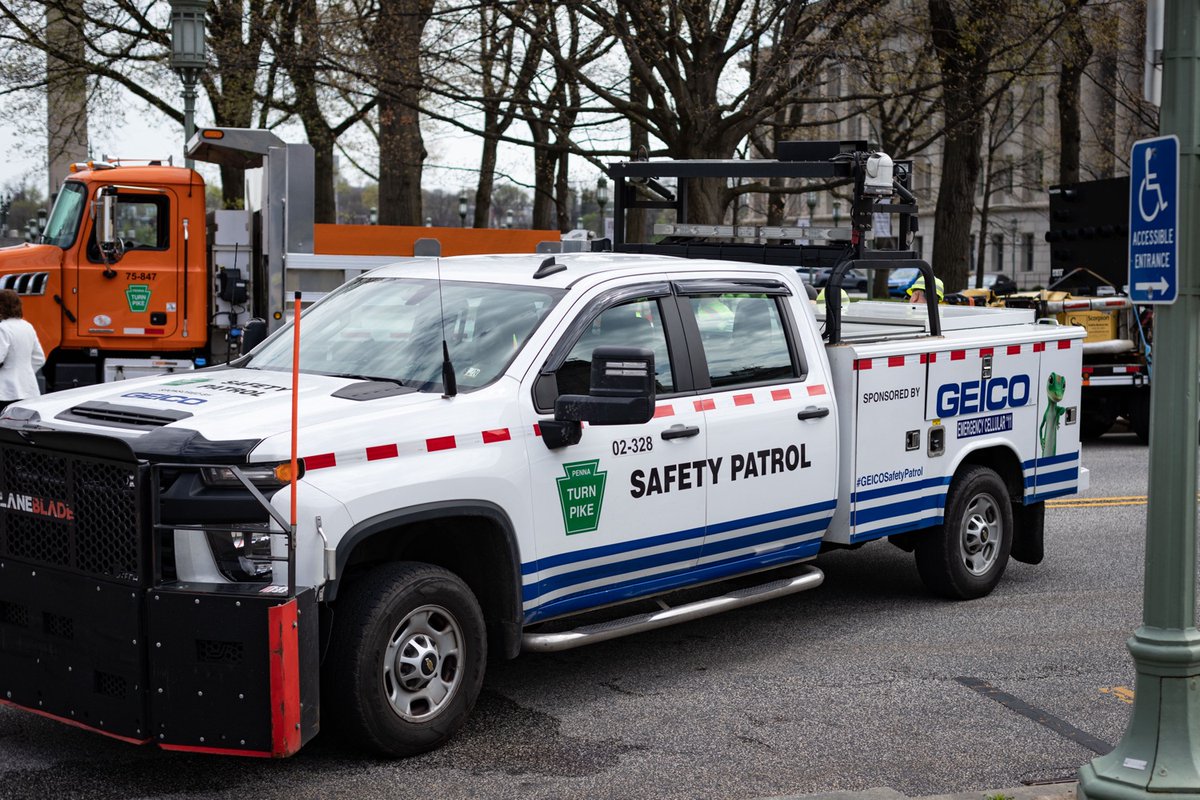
pixel 999 283
pixel 853 281
pixel 900 279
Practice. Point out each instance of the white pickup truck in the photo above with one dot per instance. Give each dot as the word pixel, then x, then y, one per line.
pixel 492 446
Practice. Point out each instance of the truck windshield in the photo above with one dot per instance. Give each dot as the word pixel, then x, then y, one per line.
pixel 63 224
pixel 391 329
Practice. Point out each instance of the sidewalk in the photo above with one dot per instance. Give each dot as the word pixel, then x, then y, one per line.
pixel 1050 791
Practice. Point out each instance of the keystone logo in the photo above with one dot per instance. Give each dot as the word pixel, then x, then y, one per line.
pixel 581 493
pixel 138 295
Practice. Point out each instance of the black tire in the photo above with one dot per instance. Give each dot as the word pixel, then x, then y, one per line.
pixel 962 560
pixel 429 602
pixel 1093 426
pixel 1139 415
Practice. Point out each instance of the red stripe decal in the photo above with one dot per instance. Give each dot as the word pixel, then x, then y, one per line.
pixel 382 451
pixel 985 351
pixel 664 411
pixel 1065 344
pixel 537 429
pixel 862 363
pixel 958 355
pixel 215 751
pixel 781 394
pixel 283 651
pixel 924 357
pixel 1039 347
pixel 497 435
pixel 932 358
pixel 895 361
pixel 1014 349
pixel 154 331
pixel 704 405
pixel 818 389
pixel 320 461
pixel 73 723
pixel 440 443
pixel 743 399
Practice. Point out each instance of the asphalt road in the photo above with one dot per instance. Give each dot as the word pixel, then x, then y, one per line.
pixel 864 682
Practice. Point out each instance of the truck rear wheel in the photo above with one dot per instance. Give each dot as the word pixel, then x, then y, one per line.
pixel 408 655
pixel 965 558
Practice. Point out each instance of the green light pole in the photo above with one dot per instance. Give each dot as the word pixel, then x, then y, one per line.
pixel 187 56
pixel 1160 752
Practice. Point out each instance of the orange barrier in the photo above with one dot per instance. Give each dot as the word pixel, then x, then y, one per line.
pixel 397 240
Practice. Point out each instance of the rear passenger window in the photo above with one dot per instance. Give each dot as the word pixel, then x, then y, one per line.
pixel 634 324
pixel 744 339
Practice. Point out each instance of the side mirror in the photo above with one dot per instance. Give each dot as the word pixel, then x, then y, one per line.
pixel 253 333
pixel 621 392
pixel 111 246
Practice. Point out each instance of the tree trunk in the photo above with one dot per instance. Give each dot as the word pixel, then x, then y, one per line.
pixel 1076 51
pixel 396 47
pixel 636 226
pixel 543 177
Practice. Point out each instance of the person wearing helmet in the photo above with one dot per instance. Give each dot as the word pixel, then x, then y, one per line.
pixel 916 290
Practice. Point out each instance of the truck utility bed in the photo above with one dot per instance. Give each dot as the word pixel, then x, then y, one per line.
pixel 871 321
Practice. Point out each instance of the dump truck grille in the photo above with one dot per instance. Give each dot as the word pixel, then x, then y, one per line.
pixel 76 513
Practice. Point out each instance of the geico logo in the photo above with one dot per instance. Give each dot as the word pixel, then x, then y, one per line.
pixel 971 397
pixel 166 398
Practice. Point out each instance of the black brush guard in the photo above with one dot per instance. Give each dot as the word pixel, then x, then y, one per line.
pixel 91 634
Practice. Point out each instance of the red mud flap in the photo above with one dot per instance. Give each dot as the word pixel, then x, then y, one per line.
pixel 233 673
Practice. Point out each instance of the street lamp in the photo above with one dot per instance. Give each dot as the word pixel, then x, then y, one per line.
pixel 602 199
pixel 374 215
pixel 837 213
pixel 462 208
pixel 5 205
pixel 508 218
pixel 811 201
pixel 187 56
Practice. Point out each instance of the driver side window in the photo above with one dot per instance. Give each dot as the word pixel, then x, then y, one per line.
pixel 637 323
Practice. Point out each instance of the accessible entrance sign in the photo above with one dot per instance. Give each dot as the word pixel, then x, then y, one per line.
pixel 1154 221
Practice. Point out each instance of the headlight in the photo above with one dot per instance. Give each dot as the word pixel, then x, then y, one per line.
pixel 18 414
pixel 242 555
pixel 264 476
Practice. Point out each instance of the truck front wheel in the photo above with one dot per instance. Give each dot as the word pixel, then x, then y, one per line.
pixel 407 658
pixel 965 558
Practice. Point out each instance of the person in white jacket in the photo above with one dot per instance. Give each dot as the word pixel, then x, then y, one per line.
pixel 20 352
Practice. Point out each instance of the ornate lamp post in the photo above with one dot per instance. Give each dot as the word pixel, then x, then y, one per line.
pixel 508 218
pixel 602 199
pixel 837 214
pixel 462 208
pixel 811 201
pixel 187 56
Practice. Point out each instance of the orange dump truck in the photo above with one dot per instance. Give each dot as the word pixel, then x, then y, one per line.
pixel 133 276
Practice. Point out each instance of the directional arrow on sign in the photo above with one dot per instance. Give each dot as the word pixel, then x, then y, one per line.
pixel 1160 286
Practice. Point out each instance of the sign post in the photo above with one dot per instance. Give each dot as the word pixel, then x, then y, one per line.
pixel 1158 756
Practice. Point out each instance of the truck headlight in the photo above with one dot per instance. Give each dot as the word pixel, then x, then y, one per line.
pixel 264 476
pixel 18 414
pixel 242 555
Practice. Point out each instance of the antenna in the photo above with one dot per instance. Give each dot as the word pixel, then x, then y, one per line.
pixel 449 382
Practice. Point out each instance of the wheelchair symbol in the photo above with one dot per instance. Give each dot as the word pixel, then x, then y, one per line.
pixel 1150 186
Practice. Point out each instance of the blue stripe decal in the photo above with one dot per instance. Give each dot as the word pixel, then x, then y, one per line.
pixel 1037 498
pixel 627 590
pixel 670 538
pixel 1061 458
pixel 688 555
pixel 1046 478
pixel 903 527
pixel 911 486
pixel 865 515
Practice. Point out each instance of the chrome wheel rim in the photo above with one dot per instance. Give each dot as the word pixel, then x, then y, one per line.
pixel 981 532
pixel 421 666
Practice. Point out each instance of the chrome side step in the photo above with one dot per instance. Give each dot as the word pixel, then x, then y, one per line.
pixel 613 629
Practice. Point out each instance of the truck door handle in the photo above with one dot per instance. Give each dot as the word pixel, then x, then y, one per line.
pixel 680 431
pixel 812 412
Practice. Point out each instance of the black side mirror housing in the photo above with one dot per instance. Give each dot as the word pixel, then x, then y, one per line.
pixel 621 392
